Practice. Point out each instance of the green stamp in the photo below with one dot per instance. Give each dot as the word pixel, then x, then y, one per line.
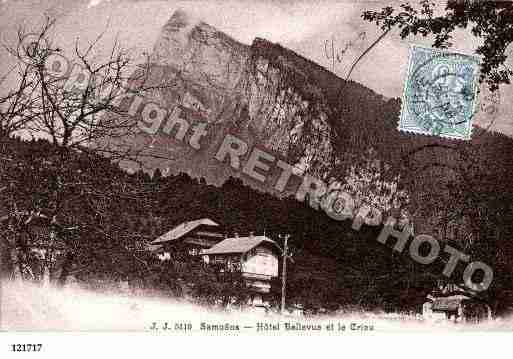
pixel 440 93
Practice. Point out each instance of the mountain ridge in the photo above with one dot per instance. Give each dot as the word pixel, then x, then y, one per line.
pixel 279 101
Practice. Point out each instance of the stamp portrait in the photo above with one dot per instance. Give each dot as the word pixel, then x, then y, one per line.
pixel 440 93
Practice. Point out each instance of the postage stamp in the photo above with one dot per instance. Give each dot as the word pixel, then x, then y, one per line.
pixel 440 93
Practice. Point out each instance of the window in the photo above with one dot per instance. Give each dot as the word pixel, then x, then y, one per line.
pixel 194 251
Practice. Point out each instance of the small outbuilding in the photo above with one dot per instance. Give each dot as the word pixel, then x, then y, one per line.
pixel 451 302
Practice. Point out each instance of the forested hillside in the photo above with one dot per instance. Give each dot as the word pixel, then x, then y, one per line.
pixel 102 217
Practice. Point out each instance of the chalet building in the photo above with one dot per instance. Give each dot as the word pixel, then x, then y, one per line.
pixel 255 257
pixel 187 239
pixel 452 302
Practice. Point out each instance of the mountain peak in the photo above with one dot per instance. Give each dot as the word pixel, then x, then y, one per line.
pixel 180 19
pixel 185 36
pixel 269 97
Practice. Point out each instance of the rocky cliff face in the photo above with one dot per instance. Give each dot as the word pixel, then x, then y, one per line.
pixel 275 100
pixel 264 94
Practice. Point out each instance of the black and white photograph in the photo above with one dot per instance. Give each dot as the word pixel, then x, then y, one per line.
pixel 298 168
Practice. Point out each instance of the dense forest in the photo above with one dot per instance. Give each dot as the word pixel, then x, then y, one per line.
pixel 99 220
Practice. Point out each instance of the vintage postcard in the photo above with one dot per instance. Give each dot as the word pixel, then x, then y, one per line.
pixel 264 168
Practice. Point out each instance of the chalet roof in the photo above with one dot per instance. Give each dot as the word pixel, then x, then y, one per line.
pixel 239 245
pixel 182 229
pixel 446 304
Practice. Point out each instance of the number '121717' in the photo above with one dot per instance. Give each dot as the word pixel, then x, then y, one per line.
pixel 26 347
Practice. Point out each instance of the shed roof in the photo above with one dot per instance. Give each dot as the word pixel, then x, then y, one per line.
pixel 240 245
pixel 446 304
pixel 182 229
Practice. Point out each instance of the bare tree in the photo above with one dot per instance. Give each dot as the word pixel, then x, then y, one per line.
pixel 17 103
pixel 84 110
pixel 84 105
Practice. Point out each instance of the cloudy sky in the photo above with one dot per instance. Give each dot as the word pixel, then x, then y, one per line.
pixel 303 26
